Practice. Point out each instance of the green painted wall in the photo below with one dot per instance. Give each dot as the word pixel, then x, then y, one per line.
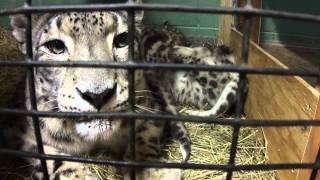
pixel 15 3
pixel 189 23
pixel 292 32
pixel 8 4
pixel 273 30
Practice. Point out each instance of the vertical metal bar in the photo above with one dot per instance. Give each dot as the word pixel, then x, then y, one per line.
pixel 32 94
pixel 131 78
pixel 241 92
pixel 315 171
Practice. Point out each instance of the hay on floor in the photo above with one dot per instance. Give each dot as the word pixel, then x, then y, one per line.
pixel 211 144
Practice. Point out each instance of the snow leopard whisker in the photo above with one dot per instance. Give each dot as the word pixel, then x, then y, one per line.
pixel 147 108
pixel 53 108
pixel 46 102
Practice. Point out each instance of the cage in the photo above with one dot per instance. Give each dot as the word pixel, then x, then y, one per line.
pixel 279 100
pixel 287 52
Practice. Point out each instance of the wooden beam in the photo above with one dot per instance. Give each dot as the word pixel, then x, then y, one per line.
pixel 256 21
pixel 280 97
pixel 226 22
pixel 313 145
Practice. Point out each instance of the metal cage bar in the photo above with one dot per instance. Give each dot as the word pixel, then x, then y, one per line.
pixel 32 94
pixel 315 171
pixel 131 66
pixel 160 117
pixel 131 87
pixel 162 7
pixel 249 167
pixel 150 66
pixel 241 91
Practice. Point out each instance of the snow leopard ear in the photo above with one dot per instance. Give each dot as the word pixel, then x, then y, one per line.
pixel 139 14
pixel 19 25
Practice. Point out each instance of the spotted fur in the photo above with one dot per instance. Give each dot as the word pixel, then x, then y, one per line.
pixel 94 36
pixel 212 93
pixel 102 36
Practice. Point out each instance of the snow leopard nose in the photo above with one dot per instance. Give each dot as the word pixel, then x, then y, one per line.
pixel 97 100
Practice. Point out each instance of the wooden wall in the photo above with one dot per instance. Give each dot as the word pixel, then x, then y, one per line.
pixel 281 97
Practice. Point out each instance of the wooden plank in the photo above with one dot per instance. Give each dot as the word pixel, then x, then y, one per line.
pixel 256 21
pixel 311 151
pixel 313 145
pixel 278 97
pixel 226 22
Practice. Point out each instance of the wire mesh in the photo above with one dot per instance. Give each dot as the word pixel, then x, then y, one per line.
pixel 248 11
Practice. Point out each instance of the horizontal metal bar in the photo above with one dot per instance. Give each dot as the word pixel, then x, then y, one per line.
pixel 249 167
pixel 159 117
pixel 158 66
pixel 161 7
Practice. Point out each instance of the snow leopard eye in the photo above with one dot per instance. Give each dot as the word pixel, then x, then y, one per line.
pixel 121 40
pixel 56 46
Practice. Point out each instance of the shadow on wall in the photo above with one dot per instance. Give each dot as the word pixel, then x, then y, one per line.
pixel 301 39
pixel 288 31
